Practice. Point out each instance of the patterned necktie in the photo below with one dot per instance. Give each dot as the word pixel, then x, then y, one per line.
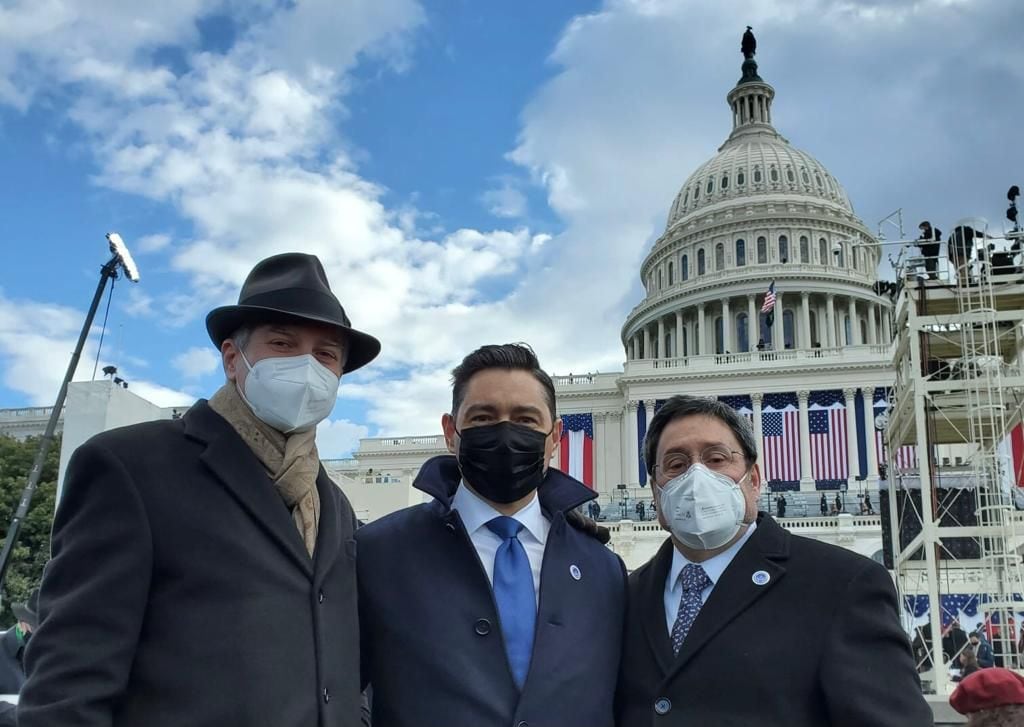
pixel 514 594
pixel 694 581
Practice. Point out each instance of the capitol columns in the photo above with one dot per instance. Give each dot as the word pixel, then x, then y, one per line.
pixel 868 395
pixel 648 412
pixel 851 311
pixel 805 320
pixel 756 398
pixel 726 327
pixel 753 323
pixel 678 340
pixel 631 453
pixel 600 441
pixel 830 314
pixel 872 326
pixel 701 332
pixel 647 341
pixel 779 332
pixel 806 475
pixel 851 434
pixel 660 348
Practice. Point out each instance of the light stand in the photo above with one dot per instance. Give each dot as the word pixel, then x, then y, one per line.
pixel 121 260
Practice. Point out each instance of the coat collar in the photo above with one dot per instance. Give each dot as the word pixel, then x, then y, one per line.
pixel 439 477
pixel 240 472
pixel 766 550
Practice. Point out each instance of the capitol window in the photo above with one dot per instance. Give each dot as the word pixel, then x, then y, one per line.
pixel 719 256
pixel 740 178
pixel 711 185
pixel 670 281
pixel 841 256
pixel 684 269
pixel 725 182
pixel 817 178
pixel 757 175
pixel 783 249
pixel 774 174
pixel 700 262
pixel 790 177
pixel 762 250
pixel 741 253
pixel 823 251
pixel 803 175
pixel 660 281
pixel 805 249
pixel 696 192
pixel 686 197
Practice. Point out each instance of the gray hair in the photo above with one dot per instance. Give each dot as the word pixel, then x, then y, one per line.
pixel 680 406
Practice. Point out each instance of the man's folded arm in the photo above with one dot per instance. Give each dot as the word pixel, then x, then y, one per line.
pixel 93 597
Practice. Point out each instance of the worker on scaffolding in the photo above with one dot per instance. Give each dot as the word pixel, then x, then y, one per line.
pixel 961 245
pixel 929 243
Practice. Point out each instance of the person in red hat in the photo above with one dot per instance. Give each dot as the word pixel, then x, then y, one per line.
pixel 203 570
pixel 991 697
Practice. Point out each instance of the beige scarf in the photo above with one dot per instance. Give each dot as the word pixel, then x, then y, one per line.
pixel 291 460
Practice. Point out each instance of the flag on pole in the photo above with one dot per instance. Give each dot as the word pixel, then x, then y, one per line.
pixel 826 423
pixel 1011 451
pixel 769 304
pixel 576 452
pixel 781 430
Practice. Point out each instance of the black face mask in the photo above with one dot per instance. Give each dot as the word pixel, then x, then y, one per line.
pixel 503 462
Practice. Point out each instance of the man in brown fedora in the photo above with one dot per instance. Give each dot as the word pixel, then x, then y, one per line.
pixel 203 568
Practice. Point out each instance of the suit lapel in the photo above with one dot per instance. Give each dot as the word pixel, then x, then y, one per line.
pixel 240 472
pixel 328 537
pixel 736 590
pixel 651 599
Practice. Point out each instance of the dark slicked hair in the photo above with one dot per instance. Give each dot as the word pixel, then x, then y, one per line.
pixel 683 406
pixel 508 356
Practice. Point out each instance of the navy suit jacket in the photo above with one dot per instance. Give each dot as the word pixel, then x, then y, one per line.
pixel 432 644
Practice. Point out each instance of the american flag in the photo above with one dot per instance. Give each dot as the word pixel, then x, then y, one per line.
pixel 826 422
pixel 769 299
pixel 742 404
pixel 576 453
pixel 781 429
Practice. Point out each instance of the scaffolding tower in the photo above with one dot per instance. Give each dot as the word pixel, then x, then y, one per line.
pixel 959 360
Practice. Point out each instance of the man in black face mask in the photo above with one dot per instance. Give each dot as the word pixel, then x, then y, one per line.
pixel 494 604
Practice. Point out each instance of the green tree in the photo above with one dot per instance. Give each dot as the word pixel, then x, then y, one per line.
pixel 33 546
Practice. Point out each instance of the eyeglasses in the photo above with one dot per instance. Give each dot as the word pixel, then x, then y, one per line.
pixel 716 457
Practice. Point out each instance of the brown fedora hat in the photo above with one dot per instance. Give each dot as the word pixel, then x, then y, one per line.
pixel 291 285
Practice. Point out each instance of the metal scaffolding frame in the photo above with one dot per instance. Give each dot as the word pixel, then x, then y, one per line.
pixel 959 360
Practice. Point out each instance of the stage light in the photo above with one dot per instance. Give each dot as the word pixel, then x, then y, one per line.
pixel 124 258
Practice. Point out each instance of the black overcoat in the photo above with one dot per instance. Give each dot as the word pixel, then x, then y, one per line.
pixel 432 642
pixel 817 645
pixel 180 593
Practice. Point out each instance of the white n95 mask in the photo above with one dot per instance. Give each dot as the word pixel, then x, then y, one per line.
pixel 703 509
pixel 290 393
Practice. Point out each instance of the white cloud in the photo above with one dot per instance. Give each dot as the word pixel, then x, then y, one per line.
pixel 337 438
pixel 151 243
pixel 139 304
pixel 505 200
pixel 197 362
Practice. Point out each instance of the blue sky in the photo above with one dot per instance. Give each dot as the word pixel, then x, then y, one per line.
pixel 469 172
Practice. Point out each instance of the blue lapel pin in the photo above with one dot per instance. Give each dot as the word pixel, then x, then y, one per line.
pixel 760 578
pixel 574 571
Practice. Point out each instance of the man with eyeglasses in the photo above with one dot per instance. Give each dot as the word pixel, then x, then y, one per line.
pixel 735 621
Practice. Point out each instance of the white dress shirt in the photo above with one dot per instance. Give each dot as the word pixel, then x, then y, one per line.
pixel 476 513
pixel 713 566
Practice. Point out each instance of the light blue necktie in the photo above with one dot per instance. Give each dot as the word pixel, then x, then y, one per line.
pixel 514 594
pixel 694 581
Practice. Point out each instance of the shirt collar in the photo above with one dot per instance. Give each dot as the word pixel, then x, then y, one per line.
pixel 477 512
pixel 713 566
